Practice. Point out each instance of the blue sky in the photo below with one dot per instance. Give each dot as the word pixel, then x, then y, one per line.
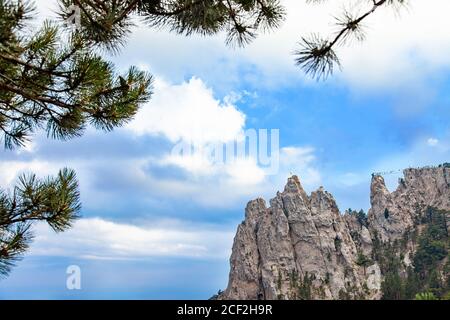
pixel 156 226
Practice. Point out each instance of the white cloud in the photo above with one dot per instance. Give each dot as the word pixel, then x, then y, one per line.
pixel 240 171
pixel 216 185
pixel 188 112
pixel 297 156
pixel 96 238
pixel 432 142
pixel 401 48
pixel 10 170
pixel 392 165
pixel 301 162
pixel 195 163
pixel 245 172
pixel 418 155
pixel 86 171
pixel 351 179
pixel 190 115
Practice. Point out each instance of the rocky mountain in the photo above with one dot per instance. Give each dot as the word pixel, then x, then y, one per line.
pixel 302 247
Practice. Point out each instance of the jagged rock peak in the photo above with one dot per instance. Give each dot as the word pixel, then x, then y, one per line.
pixel 301 240
pixel 294 186
pixel 254 209
pixel 391 214
pixel 378 185
pixel 302 247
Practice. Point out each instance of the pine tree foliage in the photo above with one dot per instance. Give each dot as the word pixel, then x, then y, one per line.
pixel 109 21
pixel 425 296
pixel 55 80
pixel 317 55
pixel 53 200
pixel 429 272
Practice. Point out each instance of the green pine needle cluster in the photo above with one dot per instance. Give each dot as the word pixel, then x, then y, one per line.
pixel 56 80
pixel 55 201
pixel 317 56
pixel 428 277
pixel 108 22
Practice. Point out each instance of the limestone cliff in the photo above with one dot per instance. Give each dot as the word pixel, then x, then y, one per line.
pixel 302 247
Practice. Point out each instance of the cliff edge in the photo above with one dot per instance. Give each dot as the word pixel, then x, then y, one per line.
pixel 301 246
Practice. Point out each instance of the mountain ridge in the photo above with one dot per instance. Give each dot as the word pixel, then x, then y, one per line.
pixel 302 247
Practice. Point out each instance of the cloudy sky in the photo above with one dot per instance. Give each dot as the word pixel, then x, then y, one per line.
pixel 156 225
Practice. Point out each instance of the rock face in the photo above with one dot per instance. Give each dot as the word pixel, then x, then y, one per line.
pixel 302 247
pixel 391 214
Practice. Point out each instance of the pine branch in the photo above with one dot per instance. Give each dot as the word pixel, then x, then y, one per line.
pixel 317 55
pixel 55 201
pixel 61 85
